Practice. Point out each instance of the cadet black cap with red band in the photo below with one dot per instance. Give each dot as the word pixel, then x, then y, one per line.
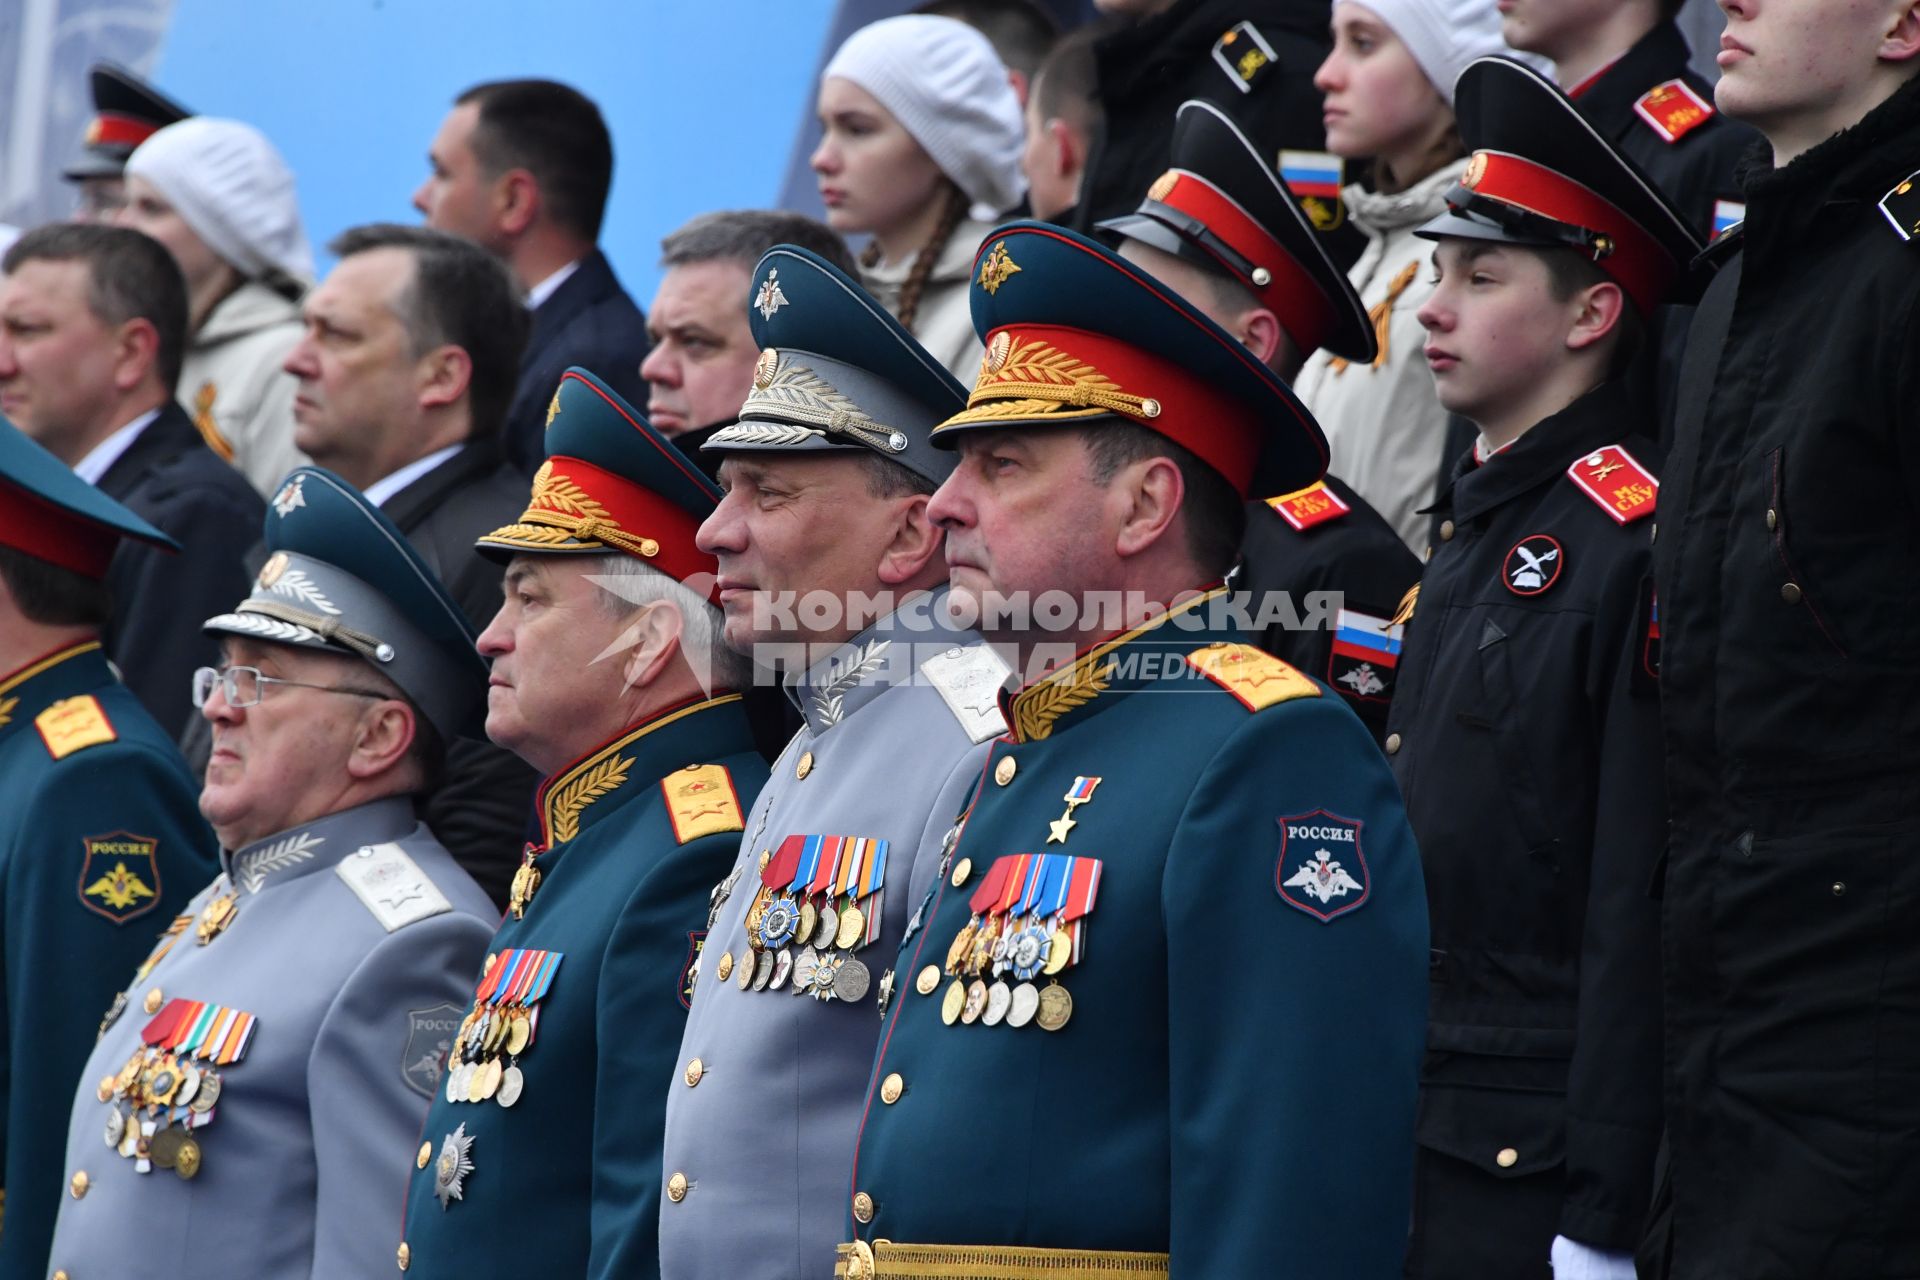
pixel 1221 206
pixel 1541 175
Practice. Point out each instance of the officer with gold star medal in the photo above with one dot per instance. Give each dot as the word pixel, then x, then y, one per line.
pixel 254 1095
pixel 845 840
pixel 541 1152
pixel 100 840
pixel 1164 1013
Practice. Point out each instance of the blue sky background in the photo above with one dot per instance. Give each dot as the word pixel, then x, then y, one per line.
pixel 703 96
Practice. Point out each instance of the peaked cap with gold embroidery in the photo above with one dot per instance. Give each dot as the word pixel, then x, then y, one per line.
pixel 1075 334
pixel 611 483
pixel 837 372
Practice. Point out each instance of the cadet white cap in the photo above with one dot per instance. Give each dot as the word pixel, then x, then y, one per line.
pixel 946 86
pixel 232 187
pixel 1444 36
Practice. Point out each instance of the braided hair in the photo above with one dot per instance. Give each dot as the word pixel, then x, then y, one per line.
pixel 923 262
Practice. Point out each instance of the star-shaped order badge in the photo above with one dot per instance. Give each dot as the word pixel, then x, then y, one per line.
pixel 455 1163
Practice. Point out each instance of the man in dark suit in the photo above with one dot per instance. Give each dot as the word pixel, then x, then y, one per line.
pixel 93 323
pixel 522 167
pixel 405 373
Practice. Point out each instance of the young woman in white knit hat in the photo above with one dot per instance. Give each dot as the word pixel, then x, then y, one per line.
pixel 219 196
pixel 920 150
pixel 1389 95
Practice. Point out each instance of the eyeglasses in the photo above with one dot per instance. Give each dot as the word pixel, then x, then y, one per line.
pixel 244 686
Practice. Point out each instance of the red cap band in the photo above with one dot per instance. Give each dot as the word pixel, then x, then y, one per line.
pixel 1215 427
pixel 1638 261
pixel 112 129
pixel 52 533
pixel 636 517
pixel 1291 293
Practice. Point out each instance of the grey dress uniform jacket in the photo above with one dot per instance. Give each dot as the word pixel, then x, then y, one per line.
pixel 762 1130
pixel 352 941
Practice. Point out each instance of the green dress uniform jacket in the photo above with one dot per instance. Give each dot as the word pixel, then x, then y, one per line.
pixel 1231 1079
pixel 778 1065
pixel 549 1162
pixel 346 941
pixel 101 841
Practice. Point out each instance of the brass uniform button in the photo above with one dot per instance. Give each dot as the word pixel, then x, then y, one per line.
pixel 928 981
pixel 1446 531
pixel 78 1187
pixel 1839 891
pixel 1002 773
pixel 1790 593
pixel 1773 519
pixel 677 1187
pixel 891 1088
pixel 423 1157
pixel 963 869
pixel 804 765
pixel 1507 1158
pixel 153 1001
pixel 862 1207
pixel 406 1256
pixel 1393 744
pixel 695 1070
pixel 726 966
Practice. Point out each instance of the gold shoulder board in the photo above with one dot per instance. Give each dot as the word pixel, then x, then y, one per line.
pixel 73 724
pixel 1255 677
pixel 701 801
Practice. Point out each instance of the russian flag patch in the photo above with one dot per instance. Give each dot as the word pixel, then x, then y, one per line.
pixel 1366 652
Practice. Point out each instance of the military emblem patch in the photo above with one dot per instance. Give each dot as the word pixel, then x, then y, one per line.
pixel 696 942
pixel 1534 564
pixel 1366 653
pixel 120 878
pixel 1322 869
pixel 430 1032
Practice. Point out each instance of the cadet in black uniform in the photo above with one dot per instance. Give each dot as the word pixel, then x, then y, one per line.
pixel 1226 232
pixel 1254 58
pixel 1627 67
pixel 1525 730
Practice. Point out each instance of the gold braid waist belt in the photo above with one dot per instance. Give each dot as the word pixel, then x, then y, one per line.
pixel 885 1260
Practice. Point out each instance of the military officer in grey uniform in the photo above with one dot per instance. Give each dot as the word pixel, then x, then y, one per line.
pixel 257 1091
pixel 844 841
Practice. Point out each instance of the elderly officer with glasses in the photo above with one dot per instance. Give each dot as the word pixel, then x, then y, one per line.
pixel 258 1089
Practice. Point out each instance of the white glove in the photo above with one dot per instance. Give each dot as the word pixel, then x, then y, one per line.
pixel 1575 1261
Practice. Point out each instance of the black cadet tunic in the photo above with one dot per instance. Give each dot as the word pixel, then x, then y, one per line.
pixel 1525 736
pixel 1789 570
pixel 1652 105
pixel 1330 540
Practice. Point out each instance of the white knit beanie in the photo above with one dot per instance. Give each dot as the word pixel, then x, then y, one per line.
pixel 230 185
pixel 946 86
pixel 1445 35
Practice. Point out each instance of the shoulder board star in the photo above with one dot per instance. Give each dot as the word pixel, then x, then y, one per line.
pixel 1673 110
pixel 73 724
pixel 1258 679
pixel 701 801
pixel 1314 505
pixel 1620 486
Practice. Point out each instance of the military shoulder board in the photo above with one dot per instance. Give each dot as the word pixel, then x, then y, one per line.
pixel 1673 110
pixel 1258 679
pixel 1901 207
pixel 1314 505
pixel 1620 486
pixel 1244 54
pixel 701 801
pixel 391 885
pixel 73 724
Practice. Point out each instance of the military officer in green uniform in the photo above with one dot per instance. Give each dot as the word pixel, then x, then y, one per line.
pixel 258 1086
pixel 541 1154
pixel 100 838
pixel 1164 1012
pixel 843 842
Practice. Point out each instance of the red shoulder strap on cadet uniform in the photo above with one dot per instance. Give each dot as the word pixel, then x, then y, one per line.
pixel 1620 486
pixel 1673 110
